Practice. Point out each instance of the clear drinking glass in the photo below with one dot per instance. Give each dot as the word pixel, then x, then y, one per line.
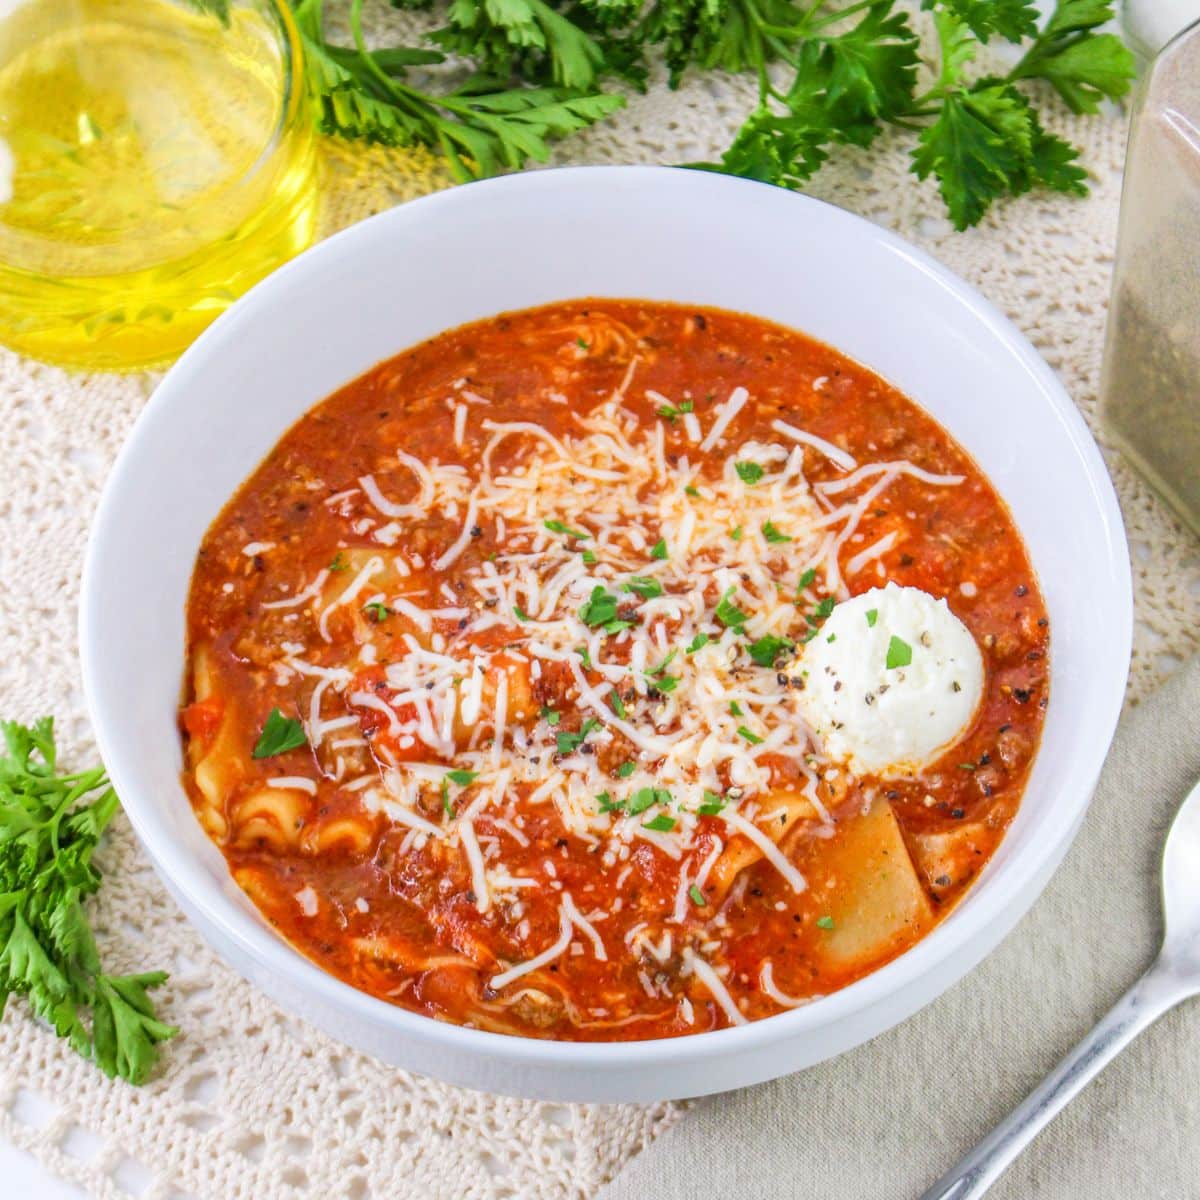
pixel 1150 388
pixel 155 162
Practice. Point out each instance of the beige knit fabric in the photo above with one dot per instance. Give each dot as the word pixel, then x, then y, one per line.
pixel 253 1104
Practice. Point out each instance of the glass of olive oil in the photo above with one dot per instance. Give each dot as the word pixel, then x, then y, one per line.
pixel 156 160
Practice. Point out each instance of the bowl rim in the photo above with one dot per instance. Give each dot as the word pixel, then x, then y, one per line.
pixel 1014 888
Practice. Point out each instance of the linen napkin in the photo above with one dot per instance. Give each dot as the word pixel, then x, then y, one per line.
pixel 885 1120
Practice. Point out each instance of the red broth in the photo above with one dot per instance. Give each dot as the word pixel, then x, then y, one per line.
pixel 481 585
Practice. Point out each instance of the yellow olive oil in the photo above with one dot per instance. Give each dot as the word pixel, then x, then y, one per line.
pixel 154 164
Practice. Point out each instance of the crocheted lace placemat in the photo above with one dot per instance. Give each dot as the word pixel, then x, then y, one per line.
pixel 253 1103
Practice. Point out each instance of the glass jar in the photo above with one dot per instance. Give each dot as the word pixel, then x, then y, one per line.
pixel 1150 386
pixel 156 160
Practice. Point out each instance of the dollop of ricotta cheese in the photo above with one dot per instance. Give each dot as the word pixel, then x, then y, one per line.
pixel 893 679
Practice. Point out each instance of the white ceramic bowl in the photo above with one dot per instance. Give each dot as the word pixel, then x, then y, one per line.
pixel 650 233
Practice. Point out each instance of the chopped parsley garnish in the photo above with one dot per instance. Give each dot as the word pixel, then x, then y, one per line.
pixel 736 533
pixel 339 562
pixel 559 527
pixel 584 657
pixel 626 769
pixel 279 734
pixel 607 803
pixel 617 706
pixel 600 609
pixel 697 643
pixel 691 491
pixel 659 549
pixel 660 824
pixel 582 344
pixel 645 587
pixel 749 472
pixel 589 558
pixel 807 579
pixel 832 637
pixel 872 617
pixel 766 650
pixel 462 778
pixel 662 666
pixel 447 807
pixel 712 804
pixel 750 736
pixel 968 766
pixel 665 683
pixel 550 716
pixel 729 614
pixel 772 534
pixel 697 896
pixel 899 653
pixel 671 411
pixel 822 611
pixel 735 709
pixel 569 742
pixel 377 611
pixel 520 613
pixel 824 922
pixel 647 797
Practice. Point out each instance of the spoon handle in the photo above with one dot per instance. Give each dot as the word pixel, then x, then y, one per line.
pixel 1152 995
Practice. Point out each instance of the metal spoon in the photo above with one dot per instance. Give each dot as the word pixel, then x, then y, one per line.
pixel 1174 976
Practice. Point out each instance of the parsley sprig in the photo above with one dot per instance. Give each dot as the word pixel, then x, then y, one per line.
pixel 831 73
pixel 49 826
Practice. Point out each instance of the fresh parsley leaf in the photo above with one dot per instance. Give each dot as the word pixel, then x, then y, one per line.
pixel 807 579
pixel 338 563
pixel 377 611
pixel 697 643
pixel 589 558
pixel 584 657
pixel 872 617
pixel 626 769
pixel 659 549
pixel 1012 20
pixel 749 735
pixel 712 804
pixel 824 922
pixel 749 472
pixel 772 534
pixel 899 653
pixel 1082 66
pixel 520 613
pixel 462 778
pixel 618 705
pixel 279 735
pixel 49 826
pixel 607 803
pixel 735 709
pixel 691 491
pixel 550 716
pixel 697 896
pixel 736 533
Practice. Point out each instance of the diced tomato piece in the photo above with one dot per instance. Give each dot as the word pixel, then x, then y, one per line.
pixel 202 718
